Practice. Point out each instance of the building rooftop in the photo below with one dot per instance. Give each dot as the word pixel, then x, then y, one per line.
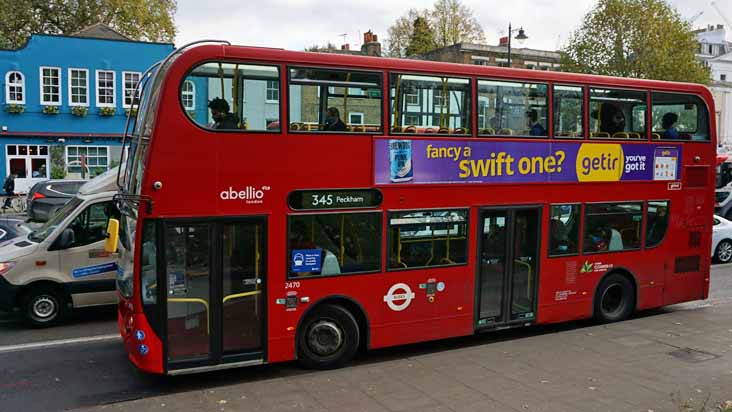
pixel 100 31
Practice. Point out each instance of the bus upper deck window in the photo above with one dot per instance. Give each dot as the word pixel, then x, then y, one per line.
pixel 679 117
pixel 569 111
pixel 233 97
pixel 429 104
pixel 334 101
pixel 512 109
pixel 617 114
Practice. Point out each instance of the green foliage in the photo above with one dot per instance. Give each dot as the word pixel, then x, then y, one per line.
pixel 423 38
pixel 449 22
pixel 80 111
pixel 50 109
pixel 147 20
pixel 107 111
pixel 14 108
pixel 58 164
pixel 635 38
pixel 329 47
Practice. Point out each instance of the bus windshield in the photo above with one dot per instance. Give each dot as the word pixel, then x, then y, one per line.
pixel 40 234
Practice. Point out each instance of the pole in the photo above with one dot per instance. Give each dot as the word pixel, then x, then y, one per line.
pixel 509 45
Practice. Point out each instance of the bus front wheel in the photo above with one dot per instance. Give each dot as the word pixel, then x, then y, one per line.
pixel 615 299
pixel 328 338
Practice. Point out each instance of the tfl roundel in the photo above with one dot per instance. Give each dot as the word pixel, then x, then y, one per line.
pixel 399 297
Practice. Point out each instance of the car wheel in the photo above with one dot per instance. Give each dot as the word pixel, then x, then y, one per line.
pixel 615 299
pixel 328 338
pixel 723 253
pixel 43 307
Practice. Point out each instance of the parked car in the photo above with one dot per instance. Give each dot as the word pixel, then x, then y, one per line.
pixel 62 264
pixel 45 198
pixel 722 240
pixel 11 227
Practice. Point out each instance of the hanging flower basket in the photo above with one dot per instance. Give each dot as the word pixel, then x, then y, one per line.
pixel 80 111
pixel 15 108
pixel 50 109
pixel 107 111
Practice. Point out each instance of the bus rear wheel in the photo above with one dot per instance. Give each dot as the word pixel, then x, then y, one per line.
pixel 43 307
pixel 328 338
pixel 615 299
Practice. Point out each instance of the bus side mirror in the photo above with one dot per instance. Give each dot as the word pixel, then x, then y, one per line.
pixel 110 245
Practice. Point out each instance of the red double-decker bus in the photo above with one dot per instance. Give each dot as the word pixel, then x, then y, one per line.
pixel 283 205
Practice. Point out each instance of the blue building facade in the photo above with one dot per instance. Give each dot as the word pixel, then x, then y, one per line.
pixel 65 103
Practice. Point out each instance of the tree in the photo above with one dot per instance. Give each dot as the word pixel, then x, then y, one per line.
pixel 454 23
pixel 450 22
pixel 147 20
pixel 423 38
pixel 635 38
pixel 328 47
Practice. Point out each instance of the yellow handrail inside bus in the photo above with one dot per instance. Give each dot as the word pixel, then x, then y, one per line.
pixel 241 295
pixel 342 241
pixel 345 101
pixel 235 92
pixel 399 249
pixel 432 247
pixel 221 77
pixel 528 279
pixel 442 106
pixel 447 259
pixel 195 300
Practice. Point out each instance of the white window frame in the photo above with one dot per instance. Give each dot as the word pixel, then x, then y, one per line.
pixel 191 93
pixel 277 89
pixel 66 154
pixel 86 87
pixel 125 89
pixel 412 96
pixel 114 88
pixel 40 84
pixel 355 114
pixel 8 85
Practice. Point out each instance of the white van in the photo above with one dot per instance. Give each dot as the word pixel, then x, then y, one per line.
pixel 62 265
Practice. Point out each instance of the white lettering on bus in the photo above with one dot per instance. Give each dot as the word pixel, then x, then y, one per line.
pixel 249 194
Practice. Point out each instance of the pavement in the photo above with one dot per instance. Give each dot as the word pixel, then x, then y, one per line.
pixel 674 359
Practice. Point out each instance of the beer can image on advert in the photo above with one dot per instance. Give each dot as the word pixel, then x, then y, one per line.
pixel 400 160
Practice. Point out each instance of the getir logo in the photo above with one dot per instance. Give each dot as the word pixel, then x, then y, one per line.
pixel 250 194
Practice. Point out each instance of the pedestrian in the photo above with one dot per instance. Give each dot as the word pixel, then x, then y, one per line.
pixel 9 188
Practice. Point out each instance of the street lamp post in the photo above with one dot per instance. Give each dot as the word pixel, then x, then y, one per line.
pixel 521 37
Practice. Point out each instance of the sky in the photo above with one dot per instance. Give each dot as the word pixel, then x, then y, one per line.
pixel 296 24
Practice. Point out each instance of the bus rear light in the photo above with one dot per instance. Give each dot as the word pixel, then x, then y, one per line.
pixel 5 267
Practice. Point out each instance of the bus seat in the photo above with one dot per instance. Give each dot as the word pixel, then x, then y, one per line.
pixel 621 135
pixel 410 129
pixel 275 125
pixel 599 134
pixel 656 136
pixel 294 126
pixel 634 135
pixel 506 132
pixel 460 130
pixel 443 130
pixel 358 128
pixel 429 130
pixel 396 129
pixel 685 136
pixel 487 131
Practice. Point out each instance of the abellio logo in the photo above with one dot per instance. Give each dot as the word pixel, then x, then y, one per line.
pixel 250 194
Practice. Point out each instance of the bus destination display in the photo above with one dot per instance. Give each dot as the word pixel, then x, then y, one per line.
pixel 334 199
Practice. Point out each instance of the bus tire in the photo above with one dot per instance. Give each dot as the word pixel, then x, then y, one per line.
pixel 328 338
pixel 615 299
pixel 43 306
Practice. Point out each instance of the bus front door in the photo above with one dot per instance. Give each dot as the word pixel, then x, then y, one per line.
pixel 214 274
pixel 508 265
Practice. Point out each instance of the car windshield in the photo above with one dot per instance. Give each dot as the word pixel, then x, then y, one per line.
pixel 40 234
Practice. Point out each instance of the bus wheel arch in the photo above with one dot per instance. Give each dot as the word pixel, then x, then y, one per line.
pixel 616 296
pixel 44 303
pixel 351 321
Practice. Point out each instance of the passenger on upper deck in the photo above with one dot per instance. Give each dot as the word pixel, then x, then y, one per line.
pixel 536 128
pixel 220 114
pixel 667 123
pixel 333 122
pixel 612 119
